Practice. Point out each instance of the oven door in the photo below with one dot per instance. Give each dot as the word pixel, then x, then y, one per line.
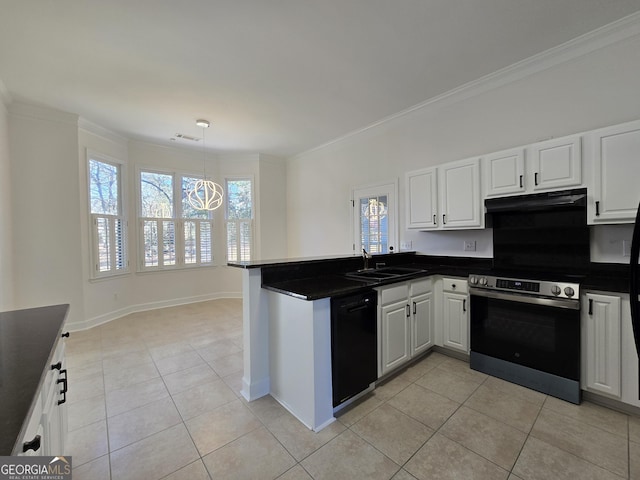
pixel 540 333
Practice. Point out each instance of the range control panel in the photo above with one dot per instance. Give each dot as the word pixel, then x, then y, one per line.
pixel 526 287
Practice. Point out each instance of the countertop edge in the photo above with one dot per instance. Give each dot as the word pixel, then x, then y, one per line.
pixel 17 447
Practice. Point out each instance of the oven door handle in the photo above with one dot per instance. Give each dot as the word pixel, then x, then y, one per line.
pixel 548 302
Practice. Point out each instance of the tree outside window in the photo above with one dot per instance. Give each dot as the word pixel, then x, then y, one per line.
pixel 174 234
pixel 239 214
pixel 109 227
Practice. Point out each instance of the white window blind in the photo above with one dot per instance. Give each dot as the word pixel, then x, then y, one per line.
pixel 109 232
pixel 173 233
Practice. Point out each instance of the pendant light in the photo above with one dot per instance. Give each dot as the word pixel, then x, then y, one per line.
pixel 205 194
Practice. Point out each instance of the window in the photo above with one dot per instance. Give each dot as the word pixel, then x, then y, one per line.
pixel 239 214
pixel 374 218
pixel 108 224
pixel 173 233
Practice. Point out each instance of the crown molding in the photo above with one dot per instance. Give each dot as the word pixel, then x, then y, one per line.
pixel 30 111
pixel 618 31
pixel 100 131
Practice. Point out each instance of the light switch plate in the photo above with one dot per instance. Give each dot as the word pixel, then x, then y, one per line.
pixel 406 245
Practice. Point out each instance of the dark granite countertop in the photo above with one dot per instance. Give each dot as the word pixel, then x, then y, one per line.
pixel 27 341
pixel 323 277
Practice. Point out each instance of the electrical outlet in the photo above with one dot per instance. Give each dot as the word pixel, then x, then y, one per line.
pixel 469 245
pixel 626 248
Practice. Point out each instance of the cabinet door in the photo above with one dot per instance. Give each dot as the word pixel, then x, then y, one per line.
pixel 504 172
pixel 422 323
pixel 422 199
pixel 601 317
pixel 557 163
pixel 460 194
pixel 395 335
pixel 455 322
pixel 54 411
pixel 616 170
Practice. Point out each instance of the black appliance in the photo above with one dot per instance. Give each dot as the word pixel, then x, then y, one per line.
pixel 354 340
pixel 541 233
pixel 525 314
pixel 634 288
pixel 527 332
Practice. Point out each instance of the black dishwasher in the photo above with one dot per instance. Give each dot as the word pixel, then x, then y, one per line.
pixel 354 341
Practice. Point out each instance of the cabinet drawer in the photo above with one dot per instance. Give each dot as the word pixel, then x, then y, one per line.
pixel 393 294
pixel 418 287
pixel 458 285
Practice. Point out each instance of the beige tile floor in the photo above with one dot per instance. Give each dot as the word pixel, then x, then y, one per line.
pixel 156 395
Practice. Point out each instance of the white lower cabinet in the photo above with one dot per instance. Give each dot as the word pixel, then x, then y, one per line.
pixel 601 343
pixel 609 356
pixel 455 314
pixel 405 323
pixel 47 426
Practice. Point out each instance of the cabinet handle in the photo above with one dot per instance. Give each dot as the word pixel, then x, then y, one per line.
pixel 65 386
pixel 65 334
pixel 590 306
pixel 597 209
pixel 56 366
pixel 32 445
pixel 464 305
pixel 434 219
pixel 407 310
pixel 444 218
pixel 535 178
pixel 521 180
pixel 414 308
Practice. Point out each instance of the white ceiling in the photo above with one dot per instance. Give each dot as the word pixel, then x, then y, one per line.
pixel 273 76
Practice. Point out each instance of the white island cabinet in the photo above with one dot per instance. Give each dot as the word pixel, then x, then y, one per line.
pixel 300 358
pixel 287 351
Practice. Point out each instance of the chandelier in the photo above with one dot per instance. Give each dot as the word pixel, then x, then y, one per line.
pixel 374 209
pixel 204 194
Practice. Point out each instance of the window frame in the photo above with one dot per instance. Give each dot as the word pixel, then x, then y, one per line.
pixel 94 268
pixel 179 242
pixel 239 222
pixel 388 189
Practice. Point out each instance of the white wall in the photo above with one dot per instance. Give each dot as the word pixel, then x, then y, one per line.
pixel 272 205
pixel 585 92
pixel 45 208
pixel 6 241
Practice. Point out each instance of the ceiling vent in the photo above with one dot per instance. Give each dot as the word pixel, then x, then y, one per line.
pixel 183 136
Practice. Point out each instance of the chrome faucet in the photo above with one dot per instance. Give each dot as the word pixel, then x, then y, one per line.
pixel 365 257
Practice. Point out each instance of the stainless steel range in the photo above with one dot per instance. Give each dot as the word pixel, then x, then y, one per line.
pixel 527 332
pixel 525 314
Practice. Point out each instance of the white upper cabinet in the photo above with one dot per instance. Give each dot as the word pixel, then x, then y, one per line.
pixel 422 199
pixel 460 198
pixel 504 172
pixel 556 163
pixel 445 197
pixel 615 156
pixel 550 165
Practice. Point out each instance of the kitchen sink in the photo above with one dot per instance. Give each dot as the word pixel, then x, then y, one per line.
pixel 384 273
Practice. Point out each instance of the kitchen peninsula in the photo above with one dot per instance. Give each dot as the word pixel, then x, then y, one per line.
pixel 287 323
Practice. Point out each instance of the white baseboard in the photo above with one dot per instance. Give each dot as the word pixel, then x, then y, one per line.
pixel 143 307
